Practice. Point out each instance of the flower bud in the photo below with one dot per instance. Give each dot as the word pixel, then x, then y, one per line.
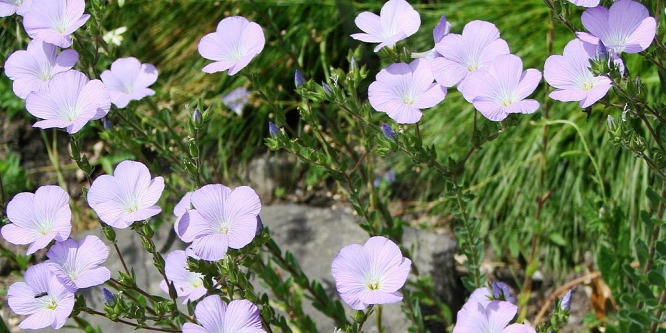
pixel 299 80
pixel 109 297
pixel 107 124
pixel 389 133
pixel 566 301
pixel 353 66
pixel 601 52
pixel 327 89
pixel 260 226
pixel 273 130
pixel 196 117
pixel 441 29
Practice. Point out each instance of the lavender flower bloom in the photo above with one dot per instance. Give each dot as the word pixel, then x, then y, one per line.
pixel 53 21
pixel 501 88
pixel 70 102
pixel 236 100
pixel 370 274
pixel 187 284
pixel 478 45
pixel 42 298
pixel 402 90
pixel 38 218
pixel 235 43
pixel 216 316
pixel 441 29
pixel 566 300
pixel 32 69
pixel 571 76
pixel 127 196
pixel 388 132
pixel 625 27
pixel 396 21
pixel 11 7
pixel 128 80
pixel 585 3
pixel 221 218
pixel 78 264
pixel 488 317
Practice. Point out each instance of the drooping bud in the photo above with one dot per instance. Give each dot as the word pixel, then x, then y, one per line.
pixel 299 80
pixel 389 133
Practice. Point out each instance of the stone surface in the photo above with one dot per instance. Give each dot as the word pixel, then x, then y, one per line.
pixel 314 236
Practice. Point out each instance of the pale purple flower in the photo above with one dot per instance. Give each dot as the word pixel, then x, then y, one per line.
pixel 79 264
pixel 235 43
pixel 572 78
pixel 188 284
pixel 38 218
pixel 464 54
pixel 222 218
pixel 625 27
pixel 501 88
pixel 585 3
pixel 70 102
pixel 11 7
pixel 483 313
pixel 402 90
pixel 128 80
pixel 370 274
pixel 42 298
pixel 128 196
pixel 236 100
pixel 32 69
pixel 53 21
pixel 215 316
pixel 396 21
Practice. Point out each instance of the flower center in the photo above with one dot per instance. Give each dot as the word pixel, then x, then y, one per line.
pixel 45 77
pixel 373 284
pixel 587 86
pixel 60 26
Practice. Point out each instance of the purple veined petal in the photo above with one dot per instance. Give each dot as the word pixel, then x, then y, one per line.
pixel 19 236
pixel 481 32
pixel 422 78
pixel 352 299
pixel 585 3
pixel 526 106
pixel 128 80
pixel 568 95
pixel 211 247
pixel 403 114
pixel 499 314
pixel 241 209
pixel 379 297
pixel 38 320
pixel 242 316
pixel 528 83
pixel 387 262
pixel 390 41
pixel 631 19
pixel 447 72
pixel 147 76
pixel 471 318
pixel 188 284
pixel 349 268
pixel 183 205
pixel 105 198
pixel 480 295
pixel 210 312
pixel 519 328
pixel 371 24
pixel 596 93
pixel 209 201
pixel 94 99
pixel 642 37
pixel 490 109
pixel 595 21
pixel 8 7
pixel 193 328
pixel 193 225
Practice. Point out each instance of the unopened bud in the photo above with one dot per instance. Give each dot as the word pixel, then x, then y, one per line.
pixel 389 133
pixel 273 130
pixel 299 80
pixel 196 117
pixel 441 29
pixel 601 52
pixel 327 89
pixel 109 297
pixel 260 226
pixel 353 65
pixel 107 124
pixel 566 301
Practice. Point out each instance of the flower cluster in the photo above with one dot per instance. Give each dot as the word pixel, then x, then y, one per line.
pixel 625 27
pixel 47 294
pixel 478 62
pixel 490 311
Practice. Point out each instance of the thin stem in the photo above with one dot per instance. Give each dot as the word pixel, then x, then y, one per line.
pixel 560 292
pixel 122 260
pixel 379 319
pixel 660 311
pixel 135 288
pixel 655 231
pixel 365 318
pixel 118 320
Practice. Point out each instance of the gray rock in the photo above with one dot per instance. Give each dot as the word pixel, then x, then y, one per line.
pixel 314 236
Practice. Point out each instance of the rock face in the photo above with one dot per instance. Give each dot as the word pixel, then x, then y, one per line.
pixel 314 236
